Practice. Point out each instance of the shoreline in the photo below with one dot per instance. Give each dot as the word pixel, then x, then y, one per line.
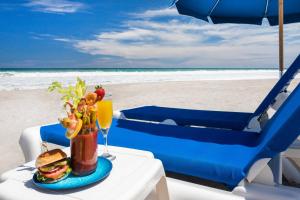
pixel 40 80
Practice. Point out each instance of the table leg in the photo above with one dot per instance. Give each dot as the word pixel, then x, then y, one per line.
pixel 162 189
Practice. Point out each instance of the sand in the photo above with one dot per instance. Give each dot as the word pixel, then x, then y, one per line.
pixel 26 108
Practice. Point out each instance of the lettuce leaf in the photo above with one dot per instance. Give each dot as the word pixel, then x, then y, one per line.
pixel 44 179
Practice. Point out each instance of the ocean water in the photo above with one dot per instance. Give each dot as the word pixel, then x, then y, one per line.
pixel 18 79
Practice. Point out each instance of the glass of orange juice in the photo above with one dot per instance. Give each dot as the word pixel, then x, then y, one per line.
pixel 104 117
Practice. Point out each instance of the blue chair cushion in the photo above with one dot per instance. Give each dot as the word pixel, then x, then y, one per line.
pixel 218 155
pixel 183 117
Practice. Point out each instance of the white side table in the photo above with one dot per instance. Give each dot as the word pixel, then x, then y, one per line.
pixel 135 175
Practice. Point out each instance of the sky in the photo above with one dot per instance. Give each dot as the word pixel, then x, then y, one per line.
pixel 130 34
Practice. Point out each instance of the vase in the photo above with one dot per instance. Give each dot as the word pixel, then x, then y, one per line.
pixel 84 155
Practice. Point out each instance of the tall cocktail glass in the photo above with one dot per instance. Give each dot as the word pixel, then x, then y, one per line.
pixel 104 117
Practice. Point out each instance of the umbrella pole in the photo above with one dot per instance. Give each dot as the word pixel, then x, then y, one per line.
pixel 280 21
pixel 276 163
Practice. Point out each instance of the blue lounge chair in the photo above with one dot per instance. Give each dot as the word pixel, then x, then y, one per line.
pixel 224 156
pixel 216 119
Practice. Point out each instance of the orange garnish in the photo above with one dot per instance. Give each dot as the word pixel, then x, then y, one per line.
pixel 72 134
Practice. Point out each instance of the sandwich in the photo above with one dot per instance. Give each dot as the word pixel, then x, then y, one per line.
pixel 52 166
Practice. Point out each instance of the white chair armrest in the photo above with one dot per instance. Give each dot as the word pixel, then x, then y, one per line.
pixel 30 142
pixel 118 114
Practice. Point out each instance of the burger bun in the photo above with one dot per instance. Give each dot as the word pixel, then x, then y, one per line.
pixel 49 157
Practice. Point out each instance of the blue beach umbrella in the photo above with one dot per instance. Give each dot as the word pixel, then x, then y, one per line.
pixel 277 12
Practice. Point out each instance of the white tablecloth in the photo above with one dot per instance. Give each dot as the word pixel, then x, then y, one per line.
pixel 135 175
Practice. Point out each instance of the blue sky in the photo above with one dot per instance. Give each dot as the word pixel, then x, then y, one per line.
pixel 131 33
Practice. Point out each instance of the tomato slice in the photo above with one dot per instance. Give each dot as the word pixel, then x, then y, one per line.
pixel 57 173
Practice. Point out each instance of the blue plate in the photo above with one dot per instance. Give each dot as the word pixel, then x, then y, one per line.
pixel 102 171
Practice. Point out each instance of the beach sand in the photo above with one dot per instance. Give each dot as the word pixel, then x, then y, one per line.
pixel 26 108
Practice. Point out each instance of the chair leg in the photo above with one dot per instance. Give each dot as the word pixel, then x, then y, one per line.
pixel 276 166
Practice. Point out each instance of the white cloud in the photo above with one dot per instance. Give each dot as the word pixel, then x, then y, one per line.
pixel 166 12
pixel 178 43
pixel 62 39
pixel 55 6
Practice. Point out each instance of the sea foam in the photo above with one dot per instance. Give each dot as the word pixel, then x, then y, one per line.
pixel 14 80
